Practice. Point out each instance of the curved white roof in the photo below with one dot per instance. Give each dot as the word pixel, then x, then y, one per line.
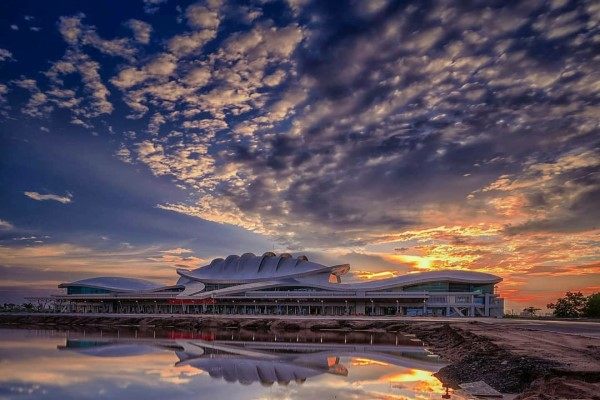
pixel 450 275
pixel 251 268
pixel 116 283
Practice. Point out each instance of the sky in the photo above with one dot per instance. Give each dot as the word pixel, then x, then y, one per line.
pixel 140 136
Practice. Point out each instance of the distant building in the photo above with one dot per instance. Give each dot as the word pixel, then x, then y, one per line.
pixel 282 285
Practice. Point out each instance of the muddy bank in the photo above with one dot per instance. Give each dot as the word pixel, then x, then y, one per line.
pixel 541 367
pixel 510 358
pixel 197 322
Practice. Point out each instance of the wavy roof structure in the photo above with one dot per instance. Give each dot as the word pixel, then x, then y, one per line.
pixel 456 276
pixel 251 268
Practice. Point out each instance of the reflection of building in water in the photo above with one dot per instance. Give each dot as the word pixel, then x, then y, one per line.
pixel 283 285
pixel 248 362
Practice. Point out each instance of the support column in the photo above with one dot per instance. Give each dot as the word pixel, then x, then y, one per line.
pixel 360 307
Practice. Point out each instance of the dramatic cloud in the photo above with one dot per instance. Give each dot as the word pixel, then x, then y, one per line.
pixel 66 199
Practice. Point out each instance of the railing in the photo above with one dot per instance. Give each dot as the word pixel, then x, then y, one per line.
pixel 316 294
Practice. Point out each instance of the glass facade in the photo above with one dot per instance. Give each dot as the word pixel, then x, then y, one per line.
pixel 85 290
pixel 428 287
pixel 451 287
pixel 483 289
pixel 291 289
pixel 213 286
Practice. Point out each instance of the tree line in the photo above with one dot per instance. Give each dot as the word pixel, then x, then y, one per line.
pixel 576 305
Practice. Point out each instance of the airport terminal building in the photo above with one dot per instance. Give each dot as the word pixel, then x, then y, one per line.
pixel 283 285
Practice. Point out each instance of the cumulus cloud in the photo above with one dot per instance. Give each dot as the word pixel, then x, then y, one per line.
pixel 5 225
pixel 92 99
pixel 66 199
pixel 558 195
pixel 160 66
pixel 203 16
pixel 152 6
pixel 38 103
pixel 75 32
pixel 189 43
pixel 354 138
pixel 141 30
pixel 124 154
pixel 6 55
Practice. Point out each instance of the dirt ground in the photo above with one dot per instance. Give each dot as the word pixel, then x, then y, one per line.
pixel 512 359
pixel 571 352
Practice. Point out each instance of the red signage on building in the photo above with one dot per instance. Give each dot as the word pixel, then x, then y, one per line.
pixel 191 301
pixel 191 335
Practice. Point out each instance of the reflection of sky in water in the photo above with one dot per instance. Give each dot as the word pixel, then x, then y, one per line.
pixel 60 365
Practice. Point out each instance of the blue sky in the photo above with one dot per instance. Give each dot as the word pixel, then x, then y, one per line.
pixel 397 136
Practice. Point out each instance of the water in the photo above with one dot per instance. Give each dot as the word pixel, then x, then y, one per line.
pixel 132 364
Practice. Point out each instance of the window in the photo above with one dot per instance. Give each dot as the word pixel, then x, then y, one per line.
pixel 484 289
pixel 211 286
pixel 437 299
pixel 290 289
pixel 428 287
pixel 85 290
pixel 459 287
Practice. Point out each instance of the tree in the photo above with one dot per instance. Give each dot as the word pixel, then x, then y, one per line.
pixel 570 306
pixel 592 306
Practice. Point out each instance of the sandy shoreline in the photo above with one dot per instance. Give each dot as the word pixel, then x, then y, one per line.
pixel 511 357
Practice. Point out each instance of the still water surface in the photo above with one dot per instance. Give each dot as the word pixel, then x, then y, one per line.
pixel 132 364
